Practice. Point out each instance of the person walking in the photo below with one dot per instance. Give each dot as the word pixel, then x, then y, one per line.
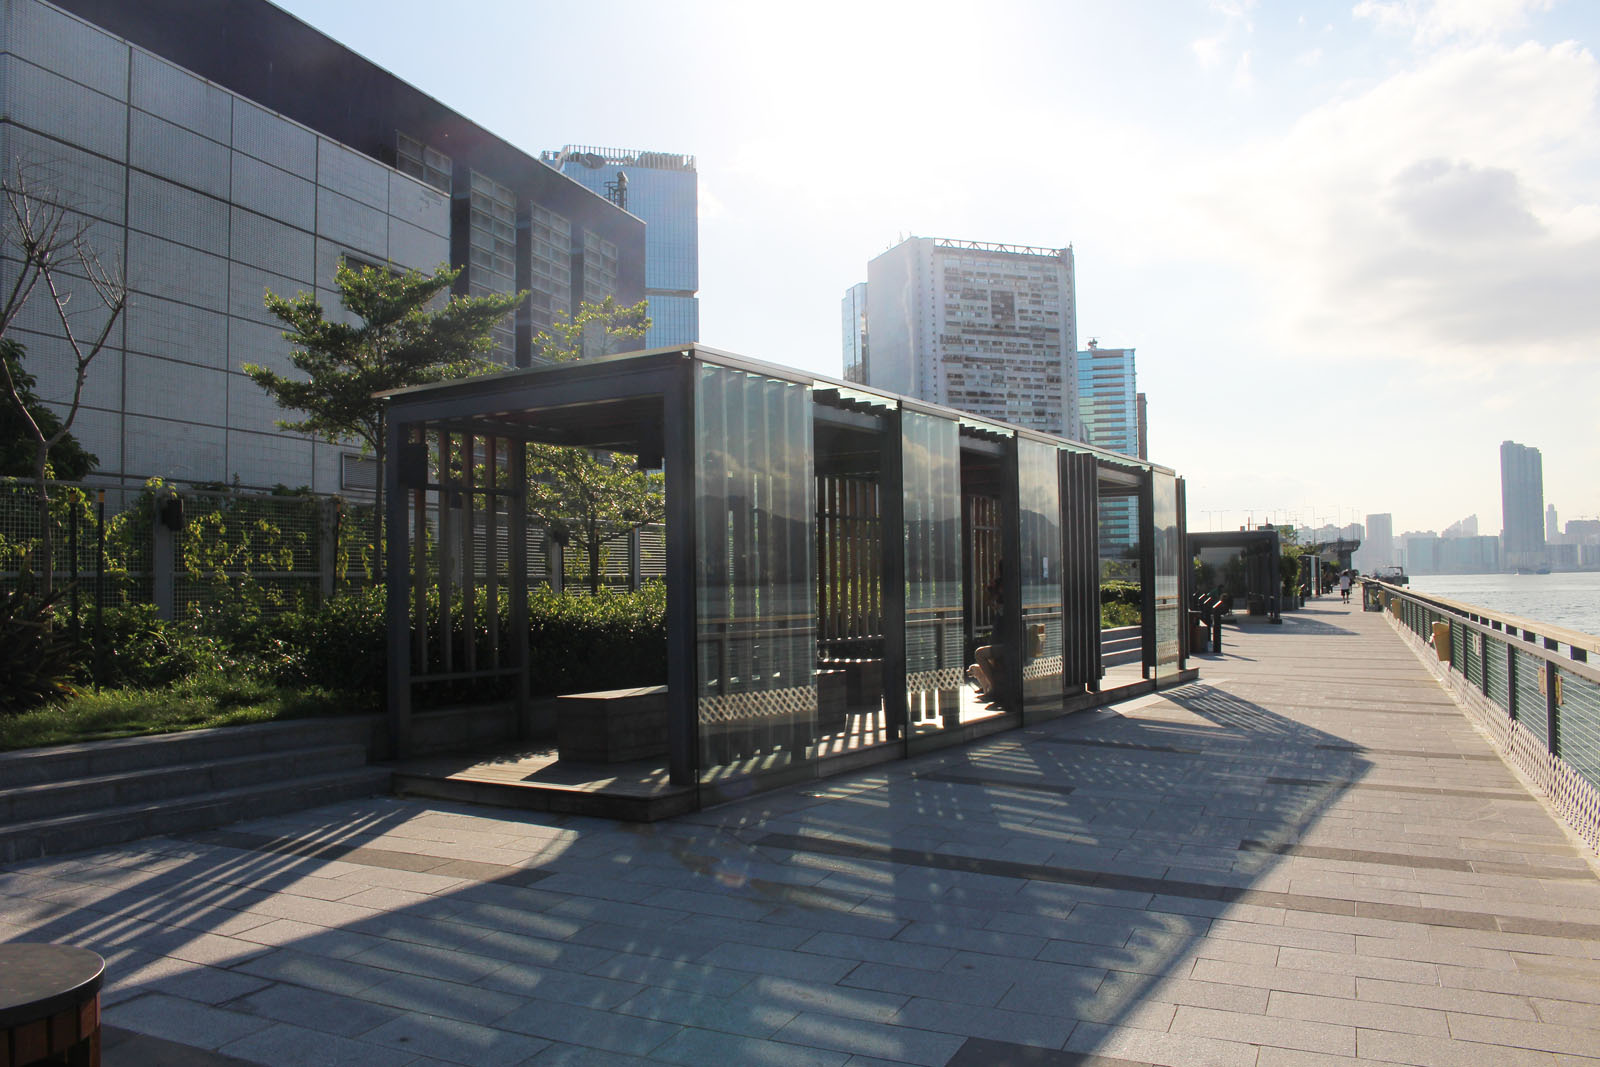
pixel 1344 586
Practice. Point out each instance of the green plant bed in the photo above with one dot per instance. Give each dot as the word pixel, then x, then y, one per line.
pixel 191 704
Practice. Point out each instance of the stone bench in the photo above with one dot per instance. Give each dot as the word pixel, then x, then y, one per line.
pixel 613 726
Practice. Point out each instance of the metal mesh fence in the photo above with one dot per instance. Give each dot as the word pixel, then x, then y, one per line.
pixel 221 547
pixel 1531 710
pixel 1578 740
pixel 1499 683
pixel 99 545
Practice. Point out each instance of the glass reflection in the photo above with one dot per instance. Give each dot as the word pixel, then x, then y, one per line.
pixel 756 638
pixel 931 463
pixel 1167 552
pixel 1039 513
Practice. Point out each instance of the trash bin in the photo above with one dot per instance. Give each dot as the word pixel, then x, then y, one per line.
pixel 1441 641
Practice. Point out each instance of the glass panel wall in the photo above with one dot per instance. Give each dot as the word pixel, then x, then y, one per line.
pixel 931 464
pixel 1039 514
pixel 756 643
pixel 1168 550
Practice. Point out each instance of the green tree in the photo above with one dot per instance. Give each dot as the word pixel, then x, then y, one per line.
pixel 50 252
pixel 601 329
pixel 582 496
pixel 68 460
pixel 397 341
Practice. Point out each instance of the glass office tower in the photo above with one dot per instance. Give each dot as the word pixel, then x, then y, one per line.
pixel 662 188
pixel 1108 408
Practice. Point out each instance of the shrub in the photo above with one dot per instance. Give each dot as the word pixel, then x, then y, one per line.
pixel 139 649
pixel 35 653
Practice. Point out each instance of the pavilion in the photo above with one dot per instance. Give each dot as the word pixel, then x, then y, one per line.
pixel 836 557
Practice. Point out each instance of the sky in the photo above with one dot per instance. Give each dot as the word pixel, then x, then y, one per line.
pixel 1356 245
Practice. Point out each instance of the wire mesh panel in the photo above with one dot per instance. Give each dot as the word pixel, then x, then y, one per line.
pixel 100 540
pixel 1499 681
pixel 1469 652
pixel 1531 711
pixel 1458 648
pixel 262 550
pixel 1578 739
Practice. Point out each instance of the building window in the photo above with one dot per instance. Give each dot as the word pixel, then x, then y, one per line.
pixel 422 162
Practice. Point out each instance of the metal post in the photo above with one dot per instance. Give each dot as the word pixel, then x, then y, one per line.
pixel 635 558
pixel 891 496
pixel 678 456
pixel 1511 682
pixel 1147 574
pixel 163 545
pixel 1552 698
pixel 99 586
pixel 397 602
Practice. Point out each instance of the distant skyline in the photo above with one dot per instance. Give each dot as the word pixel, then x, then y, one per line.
pixel 1355 243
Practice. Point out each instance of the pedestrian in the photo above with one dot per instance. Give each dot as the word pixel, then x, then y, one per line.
pixel 1344 586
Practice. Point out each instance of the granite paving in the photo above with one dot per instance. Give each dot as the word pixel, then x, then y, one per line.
pixel 1309 856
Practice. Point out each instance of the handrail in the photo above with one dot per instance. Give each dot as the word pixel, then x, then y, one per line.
pixel 1527 634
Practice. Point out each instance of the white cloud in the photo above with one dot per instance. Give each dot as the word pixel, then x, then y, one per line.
pixel 1444 214
pixel 1436 21
pixel 1243 79
pixel 1208 50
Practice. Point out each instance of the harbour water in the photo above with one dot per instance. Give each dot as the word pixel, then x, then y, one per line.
pixel 1570 599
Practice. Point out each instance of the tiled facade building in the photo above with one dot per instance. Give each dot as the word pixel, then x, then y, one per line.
pixel 221 150
pixel 987 328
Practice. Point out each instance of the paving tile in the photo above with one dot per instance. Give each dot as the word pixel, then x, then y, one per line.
pixel 183 1021
pixel 546 983
pixel 1372 1015
pixel 568 1023
pixel 749 1018
pixel 950 987
pixel 316 1010
pixel 967 1020
pixel 1441 998
pixel 851 1035
pixel 435 996
pixel 450 1039
pixel 283 1043
pixel 1159 1047
pixel 697 1047
pixel 1444 1052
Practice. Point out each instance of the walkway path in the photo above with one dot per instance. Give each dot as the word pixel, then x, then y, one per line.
pixel 1308 858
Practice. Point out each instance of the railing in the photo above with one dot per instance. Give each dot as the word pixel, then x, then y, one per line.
pixel 1530 686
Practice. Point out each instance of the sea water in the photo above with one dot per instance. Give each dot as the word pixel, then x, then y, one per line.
pixel 1570 599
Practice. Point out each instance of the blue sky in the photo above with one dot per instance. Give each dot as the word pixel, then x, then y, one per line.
pixel 1356 244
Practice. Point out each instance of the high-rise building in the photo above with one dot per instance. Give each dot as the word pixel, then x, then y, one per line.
pixel 220 150
pixel 986 328
pixel 1521 505
pixel 1377 547
pixel 1141 406
pixel 853 326
pixel 663 189
pixel 1108 412
pixel 1552 525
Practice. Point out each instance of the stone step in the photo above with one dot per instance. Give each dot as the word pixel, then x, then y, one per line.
pixel 93 759
pixel 25 803
pixel 128 822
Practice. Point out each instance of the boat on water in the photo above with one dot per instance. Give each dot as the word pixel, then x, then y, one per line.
pixel 1394 574
pixel 1542 569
